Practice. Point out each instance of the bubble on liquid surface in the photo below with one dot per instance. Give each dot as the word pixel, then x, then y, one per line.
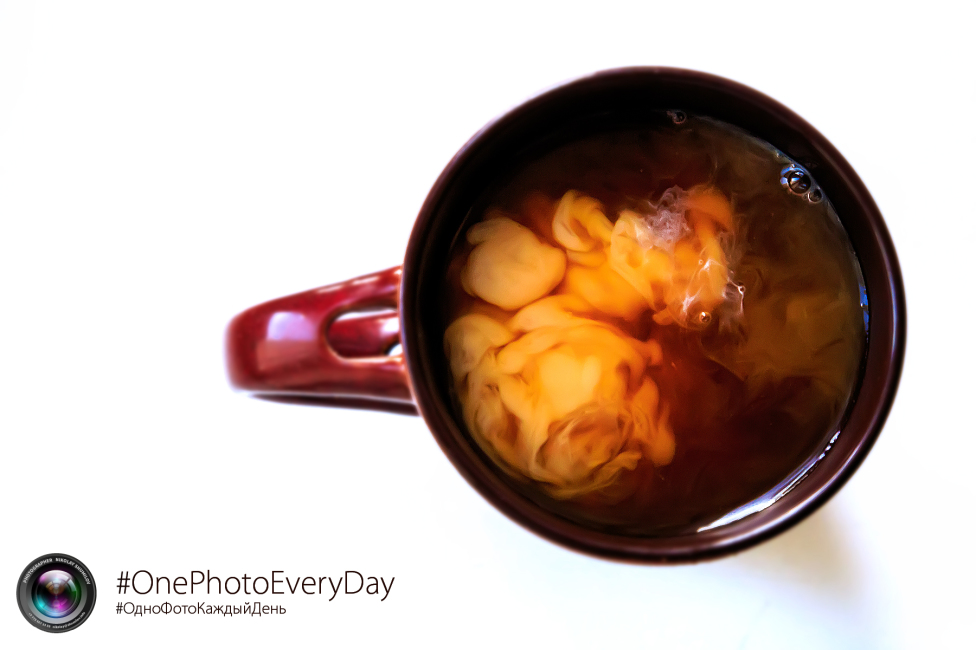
pixel 797 180
pixel 678 117
pixel 815 195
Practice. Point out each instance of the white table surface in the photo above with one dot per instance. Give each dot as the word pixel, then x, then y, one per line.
pixel 164 165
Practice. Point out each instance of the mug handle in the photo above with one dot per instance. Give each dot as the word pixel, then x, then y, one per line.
pixel 294 349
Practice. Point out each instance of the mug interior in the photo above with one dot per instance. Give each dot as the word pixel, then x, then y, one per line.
pixel 612 100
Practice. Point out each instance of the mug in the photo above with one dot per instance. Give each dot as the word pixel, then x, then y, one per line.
pixel 333 345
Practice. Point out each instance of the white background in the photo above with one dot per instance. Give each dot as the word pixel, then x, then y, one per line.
pixel 164 165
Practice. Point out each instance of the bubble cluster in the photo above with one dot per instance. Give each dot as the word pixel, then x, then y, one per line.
pixel 678 117
pixel 799 182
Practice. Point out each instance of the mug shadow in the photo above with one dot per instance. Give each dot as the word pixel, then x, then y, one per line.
pixel 363 404
pixel 815 554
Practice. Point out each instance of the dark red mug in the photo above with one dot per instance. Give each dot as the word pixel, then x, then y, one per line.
pixel 332 345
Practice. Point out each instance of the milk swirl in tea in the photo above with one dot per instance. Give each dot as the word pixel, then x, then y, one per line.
pixel 652 328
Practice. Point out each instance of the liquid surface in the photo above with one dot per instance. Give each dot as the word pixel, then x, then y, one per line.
pixel 651 329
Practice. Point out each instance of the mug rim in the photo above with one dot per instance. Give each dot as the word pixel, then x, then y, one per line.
pixel 871 403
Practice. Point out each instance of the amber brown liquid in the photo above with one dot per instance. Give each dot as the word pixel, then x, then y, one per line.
pixel 742 427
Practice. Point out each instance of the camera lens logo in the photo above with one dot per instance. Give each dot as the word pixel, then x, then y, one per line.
pixel 56 593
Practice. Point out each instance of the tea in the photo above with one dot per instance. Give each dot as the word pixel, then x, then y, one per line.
pixel 656 329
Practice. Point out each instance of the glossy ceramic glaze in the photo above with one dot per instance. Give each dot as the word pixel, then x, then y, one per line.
pixel 290 348
pixel 299 347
